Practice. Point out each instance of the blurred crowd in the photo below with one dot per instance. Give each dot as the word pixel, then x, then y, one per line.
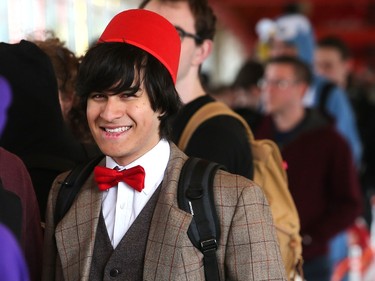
pixel 339 92
pixel 302 92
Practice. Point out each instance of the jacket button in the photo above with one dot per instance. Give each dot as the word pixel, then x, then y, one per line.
pixel 114 272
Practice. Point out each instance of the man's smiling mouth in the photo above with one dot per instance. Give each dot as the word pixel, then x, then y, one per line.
pixel 117 130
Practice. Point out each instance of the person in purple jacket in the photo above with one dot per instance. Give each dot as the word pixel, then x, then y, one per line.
pixel 12 262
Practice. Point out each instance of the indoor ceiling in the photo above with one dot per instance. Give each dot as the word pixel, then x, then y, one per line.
pixel 351 20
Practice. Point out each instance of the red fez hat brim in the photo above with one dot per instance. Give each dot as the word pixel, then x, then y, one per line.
pixel 150 32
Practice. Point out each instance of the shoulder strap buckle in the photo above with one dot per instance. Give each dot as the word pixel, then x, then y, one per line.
pixel 208 245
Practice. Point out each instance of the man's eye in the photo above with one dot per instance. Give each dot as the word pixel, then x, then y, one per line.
pixel 130 94
pixel 96 96
pixel 126 95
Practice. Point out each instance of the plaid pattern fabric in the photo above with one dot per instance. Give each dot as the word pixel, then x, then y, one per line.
pixel 248 248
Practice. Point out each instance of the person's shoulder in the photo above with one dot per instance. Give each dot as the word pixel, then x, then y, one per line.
pixel 61 177
pixel 336 92
pixel 224 129
pixel 235 182
pixel 335 136
pixel 226 123
pixel 12 166
pixel 233 191
pixel 223 121
pixel 10 158
pixel 328 134
pixel 84 170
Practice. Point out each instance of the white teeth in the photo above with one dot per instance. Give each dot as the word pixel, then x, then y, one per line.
pixel 117 130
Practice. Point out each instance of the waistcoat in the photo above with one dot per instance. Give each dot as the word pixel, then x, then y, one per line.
pixel 125 262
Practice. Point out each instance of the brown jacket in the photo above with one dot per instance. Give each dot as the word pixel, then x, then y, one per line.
pixel 248 247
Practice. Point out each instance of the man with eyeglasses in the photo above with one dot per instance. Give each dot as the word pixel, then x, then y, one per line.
pixel 221 139
pixel 292 34
pixel 321 172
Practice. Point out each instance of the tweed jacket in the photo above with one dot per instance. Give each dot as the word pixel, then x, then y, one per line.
pixel 248 247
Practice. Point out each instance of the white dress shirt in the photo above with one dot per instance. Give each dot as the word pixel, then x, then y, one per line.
pixel 122 204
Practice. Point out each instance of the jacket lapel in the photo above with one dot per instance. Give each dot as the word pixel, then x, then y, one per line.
pixel 168 227
pixel 75 234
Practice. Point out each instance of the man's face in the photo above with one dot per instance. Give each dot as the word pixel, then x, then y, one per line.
pixel 329 63
pixel 280 89
pixel 179 14
pixel 124 127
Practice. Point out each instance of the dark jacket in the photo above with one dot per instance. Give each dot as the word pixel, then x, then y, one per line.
pixel 35 130
pixel 221 139
pixel 322 179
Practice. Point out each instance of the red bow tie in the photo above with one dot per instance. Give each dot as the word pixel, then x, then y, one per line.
pixel 107 178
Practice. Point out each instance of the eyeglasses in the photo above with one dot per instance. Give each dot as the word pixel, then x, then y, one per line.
pixel 280 84
pixel 182 33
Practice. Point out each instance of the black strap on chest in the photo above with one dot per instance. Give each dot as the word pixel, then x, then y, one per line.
pixel 72 185
pixel 195 195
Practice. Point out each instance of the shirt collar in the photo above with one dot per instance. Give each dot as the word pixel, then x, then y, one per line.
pixel 154 162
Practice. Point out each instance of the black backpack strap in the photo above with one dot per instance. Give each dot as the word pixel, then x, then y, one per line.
pixel 195 195
pixel 72 185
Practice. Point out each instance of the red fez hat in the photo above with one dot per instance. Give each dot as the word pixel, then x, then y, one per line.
pixel 148 31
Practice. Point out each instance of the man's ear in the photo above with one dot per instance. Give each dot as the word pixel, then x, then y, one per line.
pixel 202 52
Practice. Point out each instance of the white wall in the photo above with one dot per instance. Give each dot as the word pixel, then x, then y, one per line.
pixel 226 59
pixel 80 22
pixel 77 22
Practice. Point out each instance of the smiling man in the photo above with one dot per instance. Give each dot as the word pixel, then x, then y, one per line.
pixel 130 227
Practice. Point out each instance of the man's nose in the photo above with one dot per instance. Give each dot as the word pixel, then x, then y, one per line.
pixel 113 109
